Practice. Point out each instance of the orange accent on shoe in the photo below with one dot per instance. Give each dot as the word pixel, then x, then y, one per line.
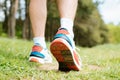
pixel 63 32
pixel 34 60
pixel 76 57
pixel 58 43
pixel 36 48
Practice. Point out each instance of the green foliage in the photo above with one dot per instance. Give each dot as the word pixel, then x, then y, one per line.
pixel 89 28
pixel 19 28
pixel 85 8
pixel 114 33
pixel 0 28
pixel 1 31
pixel 99 63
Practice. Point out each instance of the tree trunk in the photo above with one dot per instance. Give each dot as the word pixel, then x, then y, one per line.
pixel 11 18
pixel 5 26
pixel 26 25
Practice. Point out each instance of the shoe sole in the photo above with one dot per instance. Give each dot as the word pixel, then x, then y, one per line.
pixel 63 53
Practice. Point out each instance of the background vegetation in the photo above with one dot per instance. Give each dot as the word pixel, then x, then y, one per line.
pixel 114 33
pixel 89 28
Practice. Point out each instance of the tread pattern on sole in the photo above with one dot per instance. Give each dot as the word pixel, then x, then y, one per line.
pixel 63 55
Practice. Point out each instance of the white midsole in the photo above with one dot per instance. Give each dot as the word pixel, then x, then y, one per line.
pixel 40 60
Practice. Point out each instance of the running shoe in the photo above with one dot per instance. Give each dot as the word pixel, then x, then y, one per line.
pixel 40 55
pixel 63 49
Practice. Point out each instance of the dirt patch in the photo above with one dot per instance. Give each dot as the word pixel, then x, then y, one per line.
pixel 94 67
pixel 52 66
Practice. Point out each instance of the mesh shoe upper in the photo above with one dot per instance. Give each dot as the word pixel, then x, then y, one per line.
pixel 41 54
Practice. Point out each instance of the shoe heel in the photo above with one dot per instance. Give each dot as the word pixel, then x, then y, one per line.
pixel 63 54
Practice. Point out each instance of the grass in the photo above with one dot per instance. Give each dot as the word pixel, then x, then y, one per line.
pixel 99 63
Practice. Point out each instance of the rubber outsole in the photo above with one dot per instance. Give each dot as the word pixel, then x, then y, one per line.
pixel 64 55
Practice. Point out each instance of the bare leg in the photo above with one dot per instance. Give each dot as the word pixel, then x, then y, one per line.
pixel 67 11
pixel 67 8
pixel 38 13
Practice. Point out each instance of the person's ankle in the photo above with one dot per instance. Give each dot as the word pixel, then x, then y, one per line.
pixel 67 24
pixel 40 41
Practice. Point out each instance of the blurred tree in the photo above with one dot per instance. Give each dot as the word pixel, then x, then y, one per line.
pixel 26 25
pixel 89 25
pixel 11 18
pixel 5 25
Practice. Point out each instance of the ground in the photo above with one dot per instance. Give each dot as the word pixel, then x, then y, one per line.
pixel 101 62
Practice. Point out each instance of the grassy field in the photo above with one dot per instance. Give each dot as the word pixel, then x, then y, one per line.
pixel 99 63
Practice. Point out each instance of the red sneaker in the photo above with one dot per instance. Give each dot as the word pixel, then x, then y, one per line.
pixel 40 55
pixel 63 49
